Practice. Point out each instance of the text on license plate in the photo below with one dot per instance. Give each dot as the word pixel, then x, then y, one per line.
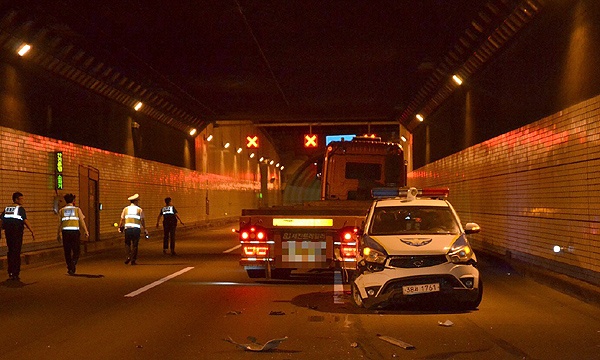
pixel 420 289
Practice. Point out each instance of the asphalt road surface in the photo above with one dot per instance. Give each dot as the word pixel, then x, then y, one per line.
pixel 186 306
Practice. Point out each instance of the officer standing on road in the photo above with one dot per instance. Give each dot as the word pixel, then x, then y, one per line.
pixel 132 222
pixel 71 219
pixel 169 224
pixel 14 220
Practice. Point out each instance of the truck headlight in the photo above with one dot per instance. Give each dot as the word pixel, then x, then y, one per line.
pixel 460 251
pixel 373 256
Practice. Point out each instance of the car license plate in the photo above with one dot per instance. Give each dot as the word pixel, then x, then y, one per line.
pixel 420 289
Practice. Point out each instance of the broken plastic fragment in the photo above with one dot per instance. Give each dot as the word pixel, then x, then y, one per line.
pixel 446 323
pixel 354 345
pixel 234 312
pixel 396 342
pixel 254 346
pixel 276 313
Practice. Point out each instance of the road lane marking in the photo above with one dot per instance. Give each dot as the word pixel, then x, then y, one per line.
pixel 233 248
pixel 158 282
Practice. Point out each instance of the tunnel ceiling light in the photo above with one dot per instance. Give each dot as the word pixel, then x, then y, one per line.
pixel 261 158
pixel 457 79
pixel 226 146
pixel 252 156
pixel 281 168
pixel 138 106
pixel 209 138
pixel 23 49
pixel 403 138
pixel 193 132
pixel 271 162
pixel 239 150
pixel 277 165
pixel 419 117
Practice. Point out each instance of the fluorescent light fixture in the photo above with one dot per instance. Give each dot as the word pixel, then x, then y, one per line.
pixel 457 79
pixel 138 106
pixel 419 117
pixel 239 150
pixel 209 138
pixel 403 138
pixel 281 168
pixel 261 159
pixel 23 49
pixel 252 156
pixel 303 222
pixel 271 162
pixel 277 165
pixel 226 145
pixel 193 132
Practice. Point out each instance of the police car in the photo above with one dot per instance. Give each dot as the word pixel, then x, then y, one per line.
pixel 413 247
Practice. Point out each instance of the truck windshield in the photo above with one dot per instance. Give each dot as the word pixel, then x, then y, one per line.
pixel 413 220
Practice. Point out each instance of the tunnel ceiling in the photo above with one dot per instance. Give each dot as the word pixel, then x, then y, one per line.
pixel 270 62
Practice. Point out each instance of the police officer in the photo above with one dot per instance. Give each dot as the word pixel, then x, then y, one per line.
pixel 70 220
pixel 170 217
pixel 14 220
pixel 132 222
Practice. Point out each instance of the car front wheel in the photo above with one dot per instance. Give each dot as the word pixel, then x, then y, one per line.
pixel 356 298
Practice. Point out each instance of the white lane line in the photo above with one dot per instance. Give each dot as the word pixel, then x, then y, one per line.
pixel 233 248
pixel 338 288
pixel 158 282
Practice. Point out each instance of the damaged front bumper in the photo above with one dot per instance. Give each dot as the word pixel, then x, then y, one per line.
pixel 455 282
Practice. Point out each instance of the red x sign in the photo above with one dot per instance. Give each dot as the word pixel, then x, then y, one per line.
pixel 252 142
pixel 310 140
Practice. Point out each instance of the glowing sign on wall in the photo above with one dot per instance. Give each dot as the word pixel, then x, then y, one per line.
pixel 59 169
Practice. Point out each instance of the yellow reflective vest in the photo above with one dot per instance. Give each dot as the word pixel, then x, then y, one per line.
pixel 69 216
pixel 133 217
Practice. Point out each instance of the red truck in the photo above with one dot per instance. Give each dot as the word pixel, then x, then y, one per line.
pixel 322 235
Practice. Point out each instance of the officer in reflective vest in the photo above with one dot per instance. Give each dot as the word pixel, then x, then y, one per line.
pixel 132 222
pixel 70 221
pixel 170 217
pixel 14 220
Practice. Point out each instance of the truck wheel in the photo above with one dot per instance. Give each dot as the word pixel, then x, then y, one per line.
pixel 356 298
pixel 281 273
pixel 256 273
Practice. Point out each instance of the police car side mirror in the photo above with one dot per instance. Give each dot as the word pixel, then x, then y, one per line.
pixel 472 228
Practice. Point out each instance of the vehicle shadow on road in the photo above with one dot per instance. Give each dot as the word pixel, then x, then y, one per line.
pixel 90 276
pixel 341 303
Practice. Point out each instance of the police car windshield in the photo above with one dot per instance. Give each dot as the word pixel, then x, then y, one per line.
pixel 413 220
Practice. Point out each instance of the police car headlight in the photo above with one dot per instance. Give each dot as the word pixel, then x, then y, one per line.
pixel 460 251
pixel 373 256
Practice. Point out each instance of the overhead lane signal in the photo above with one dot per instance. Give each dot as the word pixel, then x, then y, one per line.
pixel 310 140
pixel 252 142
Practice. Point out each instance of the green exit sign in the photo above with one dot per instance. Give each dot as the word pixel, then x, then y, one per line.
pixel 58 169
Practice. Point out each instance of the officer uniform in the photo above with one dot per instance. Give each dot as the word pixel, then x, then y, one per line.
pixel 70 219
pixel 132 222
pixel 169 225
pixel 13 222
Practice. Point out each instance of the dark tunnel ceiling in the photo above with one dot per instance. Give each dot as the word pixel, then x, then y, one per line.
pixel 279 61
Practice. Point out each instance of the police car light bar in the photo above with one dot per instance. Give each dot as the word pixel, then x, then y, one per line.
pixel 379 193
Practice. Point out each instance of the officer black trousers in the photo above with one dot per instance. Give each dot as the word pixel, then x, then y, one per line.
pixel 14 243
pixel 169 231
pixel 132 240
pixel 71 245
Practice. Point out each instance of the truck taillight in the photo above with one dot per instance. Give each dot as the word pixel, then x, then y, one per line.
pixel 250 250
pixel 253 233
pixel 348 243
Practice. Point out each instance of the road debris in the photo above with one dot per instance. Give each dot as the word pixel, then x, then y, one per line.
pixel 396 342
pixel 276 313
pixel 354 345
pixel 234 312
pixel 446 323
pixel 255 346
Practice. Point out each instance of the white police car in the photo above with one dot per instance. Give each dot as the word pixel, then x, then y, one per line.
pixel 413 247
